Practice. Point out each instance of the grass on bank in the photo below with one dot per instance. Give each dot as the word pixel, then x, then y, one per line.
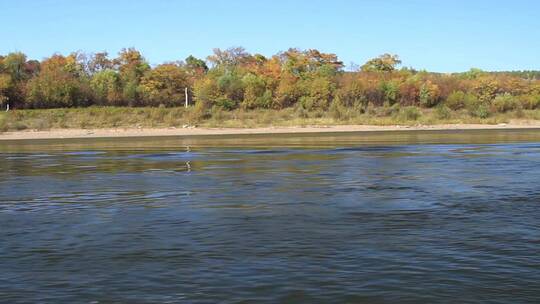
pixel 125 117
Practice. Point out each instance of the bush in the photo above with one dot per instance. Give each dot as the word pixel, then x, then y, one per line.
pixel 530 102
pixel 19 126
pixel 352 93
pixel 443 112
pixel 504 103
pixel 429 95
pixel 40 124
pixel 458 100
pixel 481 111
pixel 390 91
pixel 308 103
pixel 370 109
pixel 225 103
pixel 337 110
pixel 301 112
pixel 387 110
pixel 410 113
pixel 475 107
pixel 3 123
pixel 199 111
pixel 216 113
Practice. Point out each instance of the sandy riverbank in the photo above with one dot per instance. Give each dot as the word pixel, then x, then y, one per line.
pixel 138 132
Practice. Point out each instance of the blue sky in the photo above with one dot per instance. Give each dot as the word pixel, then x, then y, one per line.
pixel 437 35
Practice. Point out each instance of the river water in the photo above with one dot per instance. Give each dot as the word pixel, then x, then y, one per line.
pixel 419 217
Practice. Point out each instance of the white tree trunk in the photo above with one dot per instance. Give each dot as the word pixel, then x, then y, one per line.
pixel 186 97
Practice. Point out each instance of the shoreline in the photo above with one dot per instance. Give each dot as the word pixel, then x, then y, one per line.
pixel 202 131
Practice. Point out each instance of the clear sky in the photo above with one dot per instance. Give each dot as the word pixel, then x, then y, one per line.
pixel 437 35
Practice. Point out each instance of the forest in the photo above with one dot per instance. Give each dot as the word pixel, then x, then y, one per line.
pixel 231 79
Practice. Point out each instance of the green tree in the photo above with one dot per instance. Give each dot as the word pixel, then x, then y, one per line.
pixel 390 91
pixel 193 63
pixel 231 87
pixel 318 94
pixel 429 94
pixel 106 87
pixel 473 73
pixel 457 100
pixel 132 67
pixel 256 95
pixel 14 64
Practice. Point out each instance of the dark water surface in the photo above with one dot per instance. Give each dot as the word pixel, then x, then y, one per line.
pixel 408 217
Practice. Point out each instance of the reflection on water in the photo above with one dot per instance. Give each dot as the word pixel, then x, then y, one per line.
pixel 386 217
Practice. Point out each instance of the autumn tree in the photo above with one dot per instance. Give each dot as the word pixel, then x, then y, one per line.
pixel 100 62
pixel 5 86
pixel 17 70
pixel 5 83
pixel 383 63
pixel 308 79
pixel 230 57
pixel 164 85
pixel 58 84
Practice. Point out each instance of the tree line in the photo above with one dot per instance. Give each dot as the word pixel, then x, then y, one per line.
pixel 234 78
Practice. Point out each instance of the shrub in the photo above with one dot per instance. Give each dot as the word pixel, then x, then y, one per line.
pixel 225 103
pixel 530 102
pixel 410 113
pixel 459 100
pixel 338 110
pixel 216 113
pixel 481 111
pixel 19 126
pixel 40 124
pixel 390 91
pixel 476 108
pixel 359 106
pixel 370 109
pixel 3 123
pixel 301 111
pixel 199 111
pixel 443 112
pixel 387 110
pixel 351 93
pixel 429 94
pixel 504 103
